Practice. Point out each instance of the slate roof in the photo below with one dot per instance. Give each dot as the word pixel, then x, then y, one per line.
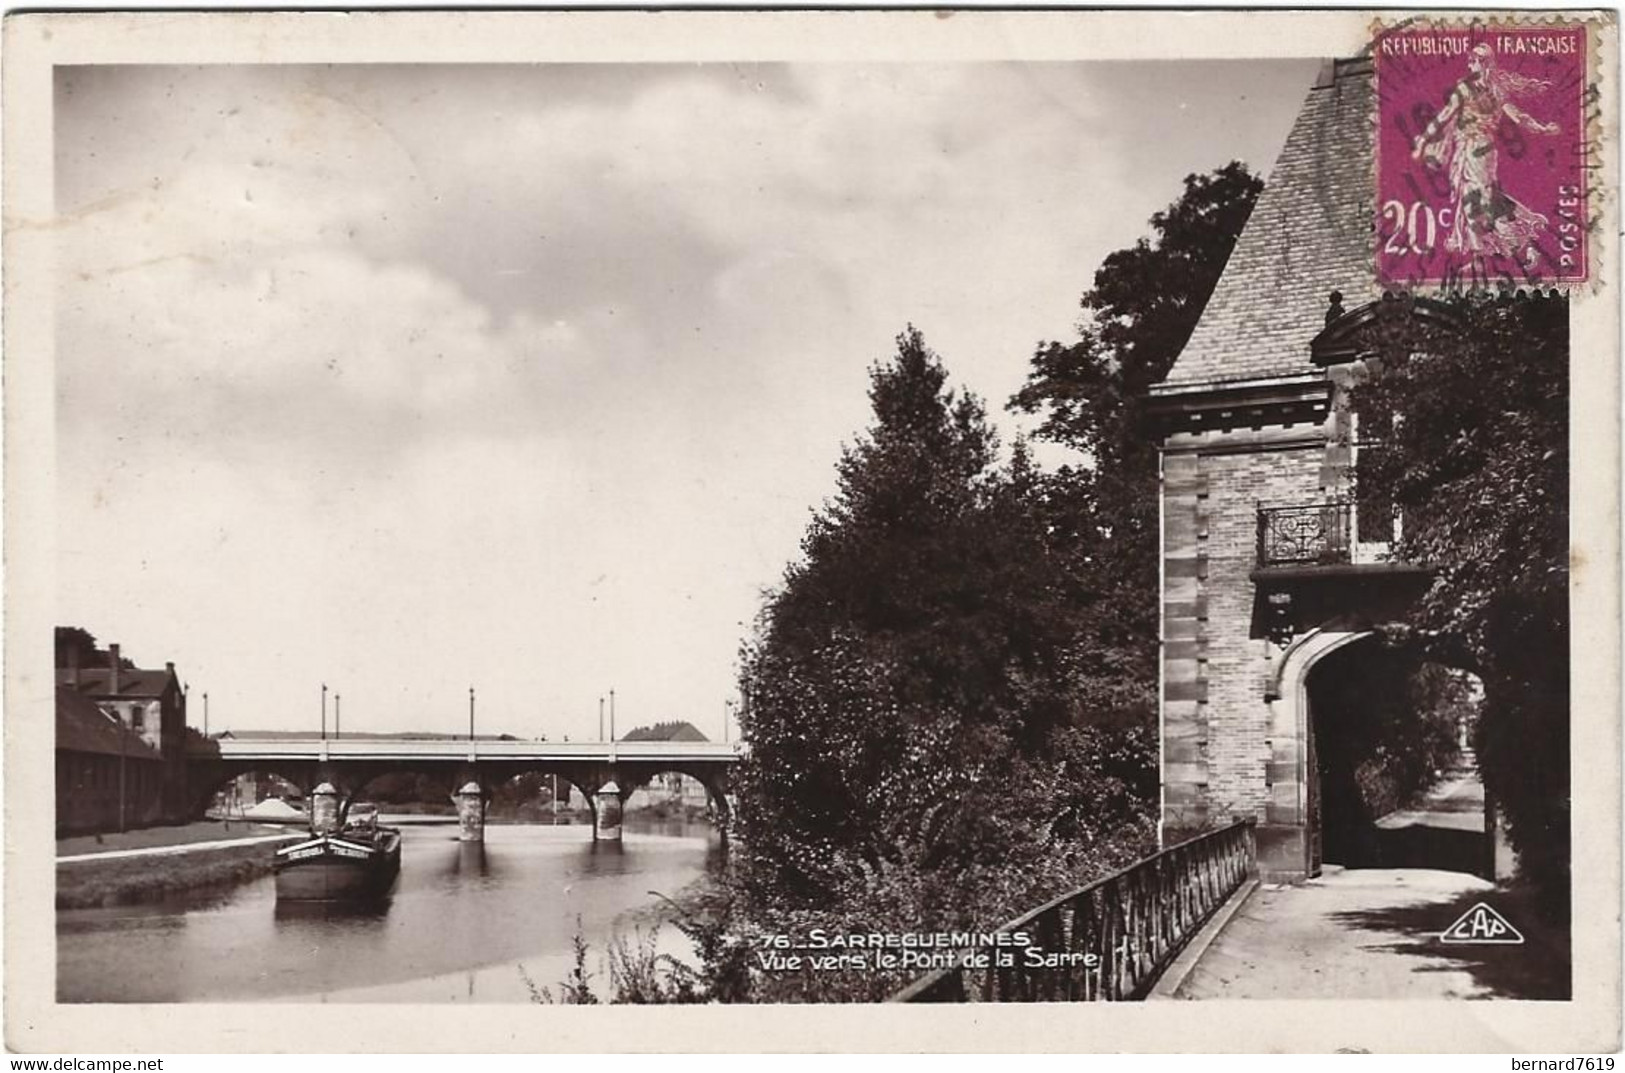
pixel 132 683
pixel 1310 233
pixel 82 727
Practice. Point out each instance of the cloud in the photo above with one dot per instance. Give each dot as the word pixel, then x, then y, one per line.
pixel 529 375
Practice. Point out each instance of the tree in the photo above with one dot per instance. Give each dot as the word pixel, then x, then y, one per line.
pixel 77 646
pixel 1102 513
pixel 908 686
pixel 1386 724
pixel 1477 463
pixel 667 730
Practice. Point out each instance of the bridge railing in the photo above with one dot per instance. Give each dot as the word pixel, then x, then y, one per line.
pixel 457 749
pixel 1135 922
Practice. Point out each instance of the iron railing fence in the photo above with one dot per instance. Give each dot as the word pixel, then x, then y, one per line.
pixel 1135 922
pixel 1309 535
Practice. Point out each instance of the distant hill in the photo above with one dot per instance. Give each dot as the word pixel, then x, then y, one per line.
pixel 676 730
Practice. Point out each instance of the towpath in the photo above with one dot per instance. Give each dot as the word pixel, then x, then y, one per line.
pixel 183 847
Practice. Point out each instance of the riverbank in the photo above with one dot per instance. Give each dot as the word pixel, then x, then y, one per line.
pixel 168 835
pixel 459 911
pixel 152 864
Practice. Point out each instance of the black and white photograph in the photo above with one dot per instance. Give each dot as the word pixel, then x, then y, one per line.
pixel 1115 511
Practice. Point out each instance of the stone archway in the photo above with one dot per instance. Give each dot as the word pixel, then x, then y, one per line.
pixel 1295 836
pixel 1378 780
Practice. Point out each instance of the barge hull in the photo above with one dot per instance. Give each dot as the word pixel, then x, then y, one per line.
pixel 331 880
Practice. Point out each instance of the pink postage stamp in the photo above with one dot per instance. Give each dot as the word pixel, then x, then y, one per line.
pixel 1482 155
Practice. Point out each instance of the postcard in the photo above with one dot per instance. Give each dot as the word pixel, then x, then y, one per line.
pixel 744 530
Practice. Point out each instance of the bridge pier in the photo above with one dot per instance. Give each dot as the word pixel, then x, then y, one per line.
pixel 606 772
pixel 324 809
pixel 470 802
pixel 722 811
pixel 606 819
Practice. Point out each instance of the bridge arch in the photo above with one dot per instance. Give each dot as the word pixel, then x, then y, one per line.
pixel 570 778
pixel 205 785
pixel 353 764
pixel 358 782
pixel 713 782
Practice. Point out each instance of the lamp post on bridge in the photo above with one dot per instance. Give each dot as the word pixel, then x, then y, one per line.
pixel 611 715
pixel 470 713
pixel 600 718
pixel 205 713
pixel 324 711
pixel 338 724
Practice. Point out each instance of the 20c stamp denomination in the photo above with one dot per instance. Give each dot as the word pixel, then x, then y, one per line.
pixel 1483 159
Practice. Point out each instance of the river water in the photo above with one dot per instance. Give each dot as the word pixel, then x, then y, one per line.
pixel 465 923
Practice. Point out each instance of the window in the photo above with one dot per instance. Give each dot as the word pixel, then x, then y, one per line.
pixel 1375 514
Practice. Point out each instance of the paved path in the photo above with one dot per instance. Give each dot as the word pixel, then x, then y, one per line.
pixel 1456 804
pixel 1368 933
pixel 1374 932
pixel 184 847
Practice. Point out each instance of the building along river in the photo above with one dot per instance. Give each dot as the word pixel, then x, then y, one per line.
pixel 465 923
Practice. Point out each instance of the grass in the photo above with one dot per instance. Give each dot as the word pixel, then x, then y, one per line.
pixel 133 880
pixel 178 835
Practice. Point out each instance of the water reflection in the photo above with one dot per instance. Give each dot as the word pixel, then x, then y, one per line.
pixel 368 912
pixel 457 908
pixel 471 860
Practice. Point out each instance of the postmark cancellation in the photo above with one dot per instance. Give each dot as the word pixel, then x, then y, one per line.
pixel 1486 154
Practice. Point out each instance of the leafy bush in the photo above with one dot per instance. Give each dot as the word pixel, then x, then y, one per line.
pixel 1479 468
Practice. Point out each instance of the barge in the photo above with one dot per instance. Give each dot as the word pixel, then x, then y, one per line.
pixel 359 861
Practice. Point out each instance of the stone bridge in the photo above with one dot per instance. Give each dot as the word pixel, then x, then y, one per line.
pixel 606 773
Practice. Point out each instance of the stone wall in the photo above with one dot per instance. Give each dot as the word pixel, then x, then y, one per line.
pixel 1221 756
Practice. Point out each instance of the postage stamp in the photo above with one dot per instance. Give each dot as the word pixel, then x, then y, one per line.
pixel 1482 155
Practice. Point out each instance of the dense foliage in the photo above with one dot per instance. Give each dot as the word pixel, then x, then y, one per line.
pixel 669 730
pixel 1478 466
pixel 1142 309
pixel 76 646
pixel 1413 742
pixel 950 699
pixel 1386 727
pixel 919 757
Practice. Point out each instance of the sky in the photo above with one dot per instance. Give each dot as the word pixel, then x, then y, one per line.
pixel 404 380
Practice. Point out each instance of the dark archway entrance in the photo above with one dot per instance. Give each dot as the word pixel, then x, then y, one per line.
pixel 1392 779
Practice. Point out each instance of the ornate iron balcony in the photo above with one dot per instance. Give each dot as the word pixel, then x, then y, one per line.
pixel 1313 535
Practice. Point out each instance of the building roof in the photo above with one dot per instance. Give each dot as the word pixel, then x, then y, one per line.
pixel 82 727
pixel 133 683
pixel 1311 233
